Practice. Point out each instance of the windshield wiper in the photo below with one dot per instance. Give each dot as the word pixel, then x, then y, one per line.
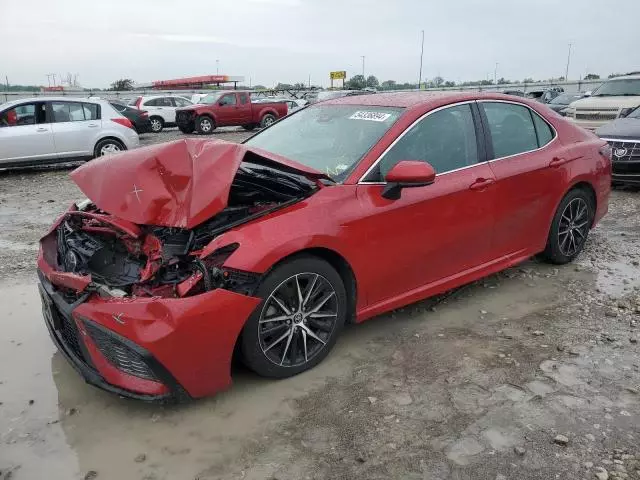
pixel 300 184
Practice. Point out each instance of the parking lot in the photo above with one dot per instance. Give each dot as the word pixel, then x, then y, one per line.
pixel 531 373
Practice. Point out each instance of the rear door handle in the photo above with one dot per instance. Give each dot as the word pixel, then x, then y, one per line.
pixel 42 129
pixel 557 162
pixel 481 183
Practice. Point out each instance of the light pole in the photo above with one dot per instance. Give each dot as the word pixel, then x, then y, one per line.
pixel 421 55
pixel 566 72
pixel 362 66
pixel 495 75
pixel 217 67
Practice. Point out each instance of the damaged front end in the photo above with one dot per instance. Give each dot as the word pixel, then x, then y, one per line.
pixel 117 258
pixel 135 276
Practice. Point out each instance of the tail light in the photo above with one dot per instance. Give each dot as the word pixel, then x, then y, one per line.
pixel 125 122
pixel 144 114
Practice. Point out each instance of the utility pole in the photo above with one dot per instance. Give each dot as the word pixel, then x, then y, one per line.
pixel 7 79
pixel 495 75
pixel 309 81
pixel 421 55
pixel 363 66
pixel 217 67
pixel 566 72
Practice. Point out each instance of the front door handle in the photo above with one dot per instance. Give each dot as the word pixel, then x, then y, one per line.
pixel 481 183
pixel 42 129
pixel 557 162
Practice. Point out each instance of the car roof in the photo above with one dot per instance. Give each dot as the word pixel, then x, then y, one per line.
pixel 51 99
pixel 419 99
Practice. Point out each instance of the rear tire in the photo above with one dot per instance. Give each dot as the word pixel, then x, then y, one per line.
pixel 268 120
pixel 285 336
pixel 108 146
pixel 570 227
pixel 157 124
pixel 205 125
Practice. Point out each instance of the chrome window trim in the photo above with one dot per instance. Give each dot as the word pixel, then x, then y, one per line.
pixel 386 150
pixel 555 132
pixel 374 164
pixel 621 140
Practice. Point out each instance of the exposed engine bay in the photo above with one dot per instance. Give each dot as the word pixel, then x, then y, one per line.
pixel 126 259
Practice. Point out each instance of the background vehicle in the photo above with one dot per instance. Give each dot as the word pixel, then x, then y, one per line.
pixel 623 135
pixel 515 93
pixel 139 118
pixel 59 129
pixel 264 248
pixel 293 104
pixel 196 97
pixel 545 95
pixel 228 108
pixel 615 98
pixel 161 108
pixel 562 101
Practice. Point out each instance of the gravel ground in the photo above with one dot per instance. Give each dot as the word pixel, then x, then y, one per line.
pixel 533 373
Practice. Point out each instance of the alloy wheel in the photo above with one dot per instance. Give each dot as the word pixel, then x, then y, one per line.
pixel 298 319
pixel 268 121
pixel 156 125
pixel 205 125
pixel 109 149
pixel 574 227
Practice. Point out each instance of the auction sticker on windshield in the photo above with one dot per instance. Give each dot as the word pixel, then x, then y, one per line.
pixel 372 116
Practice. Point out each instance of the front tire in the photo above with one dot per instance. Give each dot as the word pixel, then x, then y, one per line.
pixel 297 324
pixel 570 227
pixel 205 125
pixel 108 146
pixel 157 124
pixel 268 120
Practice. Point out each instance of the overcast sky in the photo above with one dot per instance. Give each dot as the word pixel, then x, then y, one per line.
pixel 287 40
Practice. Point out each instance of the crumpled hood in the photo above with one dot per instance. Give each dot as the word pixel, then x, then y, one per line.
pixel 174 184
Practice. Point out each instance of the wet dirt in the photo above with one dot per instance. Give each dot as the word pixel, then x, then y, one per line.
pixel 482 383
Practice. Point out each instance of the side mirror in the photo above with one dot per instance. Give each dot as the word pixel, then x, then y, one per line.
pixel 588 93
pixel 407 174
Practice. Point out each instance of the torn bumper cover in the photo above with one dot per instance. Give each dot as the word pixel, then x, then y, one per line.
pixel 155 349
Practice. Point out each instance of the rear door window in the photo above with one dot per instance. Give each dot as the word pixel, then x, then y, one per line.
pixel 67 112
pixel 154 102
pixel 511 127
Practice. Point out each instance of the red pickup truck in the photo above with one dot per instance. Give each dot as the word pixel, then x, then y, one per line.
pixel 226 109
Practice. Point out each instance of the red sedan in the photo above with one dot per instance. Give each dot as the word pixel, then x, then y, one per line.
pixel 189 251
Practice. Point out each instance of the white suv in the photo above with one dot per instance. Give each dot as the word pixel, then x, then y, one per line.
pixel 43 130
pixel 161 109
pixel 615 98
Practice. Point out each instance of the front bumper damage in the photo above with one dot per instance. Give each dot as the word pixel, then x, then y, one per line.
pixel 150 348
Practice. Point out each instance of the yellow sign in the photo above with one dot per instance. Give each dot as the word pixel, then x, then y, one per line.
pixel 338 75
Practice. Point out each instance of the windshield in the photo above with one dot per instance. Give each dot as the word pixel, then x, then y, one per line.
pixel 211 98
pixel 328 138
pixel 619 88
pixel 566 98
pixel 635 113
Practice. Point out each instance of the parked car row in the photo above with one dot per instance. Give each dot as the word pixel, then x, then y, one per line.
pixel 49 130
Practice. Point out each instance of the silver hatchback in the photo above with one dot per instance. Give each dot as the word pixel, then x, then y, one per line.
pixel 46 130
